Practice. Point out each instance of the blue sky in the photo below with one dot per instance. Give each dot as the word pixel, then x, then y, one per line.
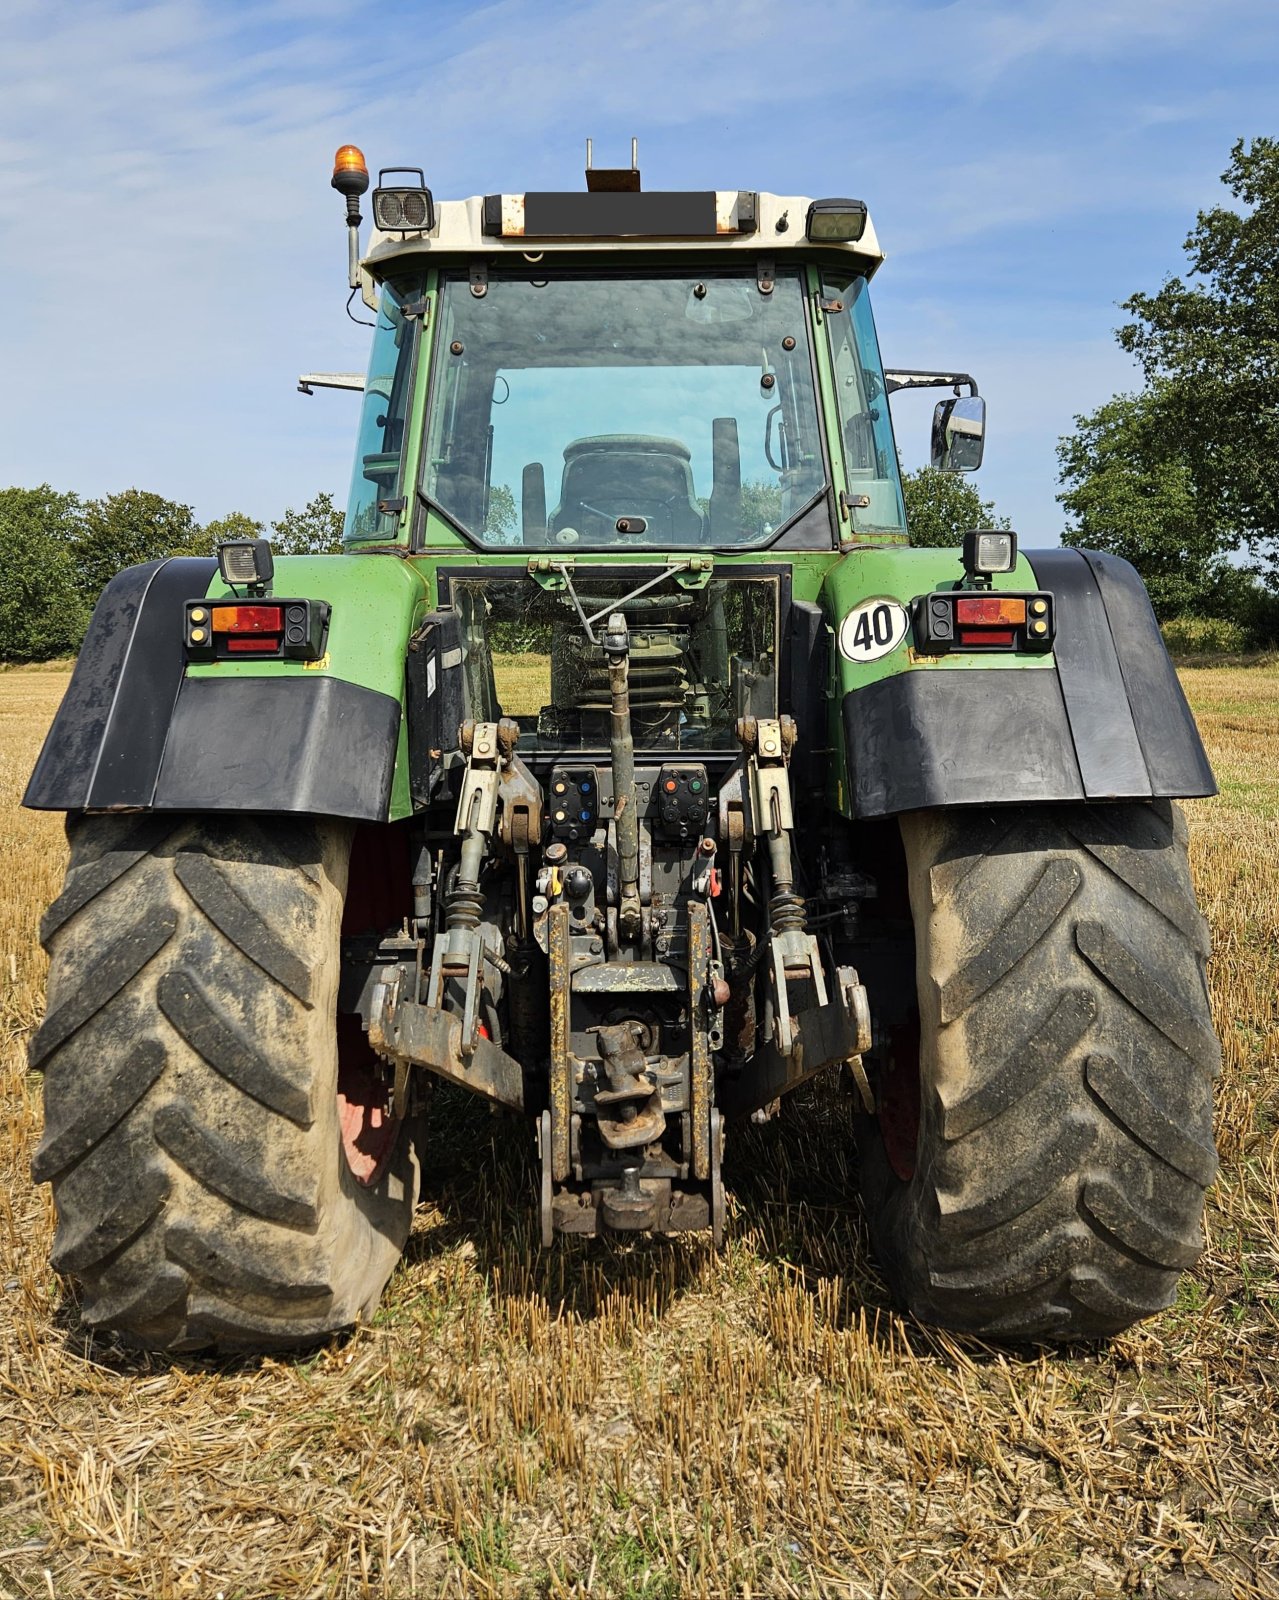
pixel 174 256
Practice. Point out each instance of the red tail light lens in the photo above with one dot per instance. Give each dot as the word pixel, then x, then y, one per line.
pixel 983 610
pixel 253 644
pixel 987 636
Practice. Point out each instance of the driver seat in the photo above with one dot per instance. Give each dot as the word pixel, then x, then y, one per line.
pixel 612 475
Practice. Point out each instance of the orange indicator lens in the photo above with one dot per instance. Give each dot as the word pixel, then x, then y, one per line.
pixel 248 619
pixel 988 609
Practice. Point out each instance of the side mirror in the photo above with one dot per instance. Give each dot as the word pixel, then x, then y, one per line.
pixel 959 433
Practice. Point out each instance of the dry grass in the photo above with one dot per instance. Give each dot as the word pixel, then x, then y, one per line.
pixel 647 1419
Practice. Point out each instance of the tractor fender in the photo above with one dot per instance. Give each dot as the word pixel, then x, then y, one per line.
pixel 1104 719
pixel 142 729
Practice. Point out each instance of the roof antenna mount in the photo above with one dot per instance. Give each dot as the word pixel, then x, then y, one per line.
pixel 613 180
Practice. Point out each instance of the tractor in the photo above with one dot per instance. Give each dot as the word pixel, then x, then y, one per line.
pixel 629 769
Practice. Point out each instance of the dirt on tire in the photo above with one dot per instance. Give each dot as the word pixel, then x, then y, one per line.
pixel 1067 1059
pixel 190 1066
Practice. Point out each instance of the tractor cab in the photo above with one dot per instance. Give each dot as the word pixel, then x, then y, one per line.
pixel 624 372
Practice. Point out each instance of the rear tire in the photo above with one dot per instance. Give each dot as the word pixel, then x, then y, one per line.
pixel 190 1057
pixel 1065 1065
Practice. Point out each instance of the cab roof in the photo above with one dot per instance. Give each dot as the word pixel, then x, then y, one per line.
pixel 668 223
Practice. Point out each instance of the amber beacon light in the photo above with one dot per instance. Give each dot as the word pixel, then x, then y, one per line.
pixel 350 171
pixel 351 178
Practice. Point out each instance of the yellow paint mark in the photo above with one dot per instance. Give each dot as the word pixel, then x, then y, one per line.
pixel 322 665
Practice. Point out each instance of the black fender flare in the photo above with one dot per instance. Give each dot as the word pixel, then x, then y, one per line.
pixel 135 733
pixel 1108 722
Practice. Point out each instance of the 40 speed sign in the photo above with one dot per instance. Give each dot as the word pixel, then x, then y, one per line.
pixel 872 629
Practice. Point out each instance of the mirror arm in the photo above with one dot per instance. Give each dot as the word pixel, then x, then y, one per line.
pixel 910 378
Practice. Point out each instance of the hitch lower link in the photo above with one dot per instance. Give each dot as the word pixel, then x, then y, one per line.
pixel 446 1019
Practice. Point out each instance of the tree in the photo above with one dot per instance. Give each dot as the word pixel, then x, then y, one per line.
pixel 1132 492
pixel 941 507
pixel 501 512
pixel 235 525
pixel 124 529
pixel 42 612
pixel 1212 349
pixel 316 530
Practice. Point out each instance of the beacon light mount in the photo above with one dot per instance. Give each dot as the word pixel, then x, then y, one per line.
pixel 351 179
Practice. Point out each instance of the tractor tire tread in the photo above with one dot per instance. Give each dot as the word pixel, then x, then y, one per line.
pixel 1067 1059
pixel 189 1053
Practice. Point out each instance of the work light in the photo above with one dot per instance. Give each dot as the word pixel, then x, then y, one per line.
pixel 246 562
pixel 987 551
pixel 836 221
pixel 403 209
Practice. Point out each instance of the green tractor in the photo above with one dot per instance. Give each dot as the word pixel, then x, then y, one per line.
pixel 629 769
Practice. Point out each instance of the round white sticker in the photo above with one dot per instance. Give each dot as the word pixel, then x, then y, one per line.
pixel 872 629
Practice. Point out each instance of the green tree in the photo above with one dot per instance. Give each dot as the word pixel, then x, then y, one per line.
pixel 501 511
pixel 234 525
pixel 124 529
pixel 1131 491
pixel 942 506
pixel 42 611
pixel 1210 348
pixel 761 506
pixel 314 531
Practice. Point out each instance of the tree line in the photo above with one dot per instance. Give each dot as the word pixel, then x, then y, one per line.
pixel 1182 477
pixel 58 552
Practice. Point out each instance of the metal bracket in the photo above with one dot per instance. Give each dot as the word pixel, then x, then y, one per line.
pixel 693 573
pixel 553 576
pixel 471 1014
pixel 479 276
pixel 477 804
pixel 770 793
pixel 690 572
pixel 765 275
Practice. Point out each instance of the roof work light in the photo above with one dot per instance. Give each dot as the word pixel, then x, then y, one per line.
pixel 402 208
pixel 836 221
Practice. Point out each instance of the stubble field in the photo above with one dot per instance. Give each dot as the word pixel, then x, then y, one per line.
pixel 649 1419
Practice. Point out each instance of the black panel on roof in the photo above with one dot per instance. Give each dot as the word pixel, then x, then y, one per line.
pixel 620 215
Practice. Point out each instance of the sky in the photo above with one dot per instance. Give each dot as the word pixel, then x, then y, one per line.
pixel 174 256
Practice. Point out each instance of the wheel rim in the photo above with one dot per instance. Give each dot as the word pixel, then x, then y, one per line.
pixel 378 897
pixel 364 1105
pixel 899 1101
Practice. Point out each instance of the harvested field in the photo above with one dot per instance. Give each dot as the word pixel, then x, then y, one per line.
pixel 648 1419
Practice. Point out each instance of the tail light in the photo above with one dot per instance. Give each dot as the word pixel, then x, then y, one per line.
pixel 289 630
pixel 958 619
